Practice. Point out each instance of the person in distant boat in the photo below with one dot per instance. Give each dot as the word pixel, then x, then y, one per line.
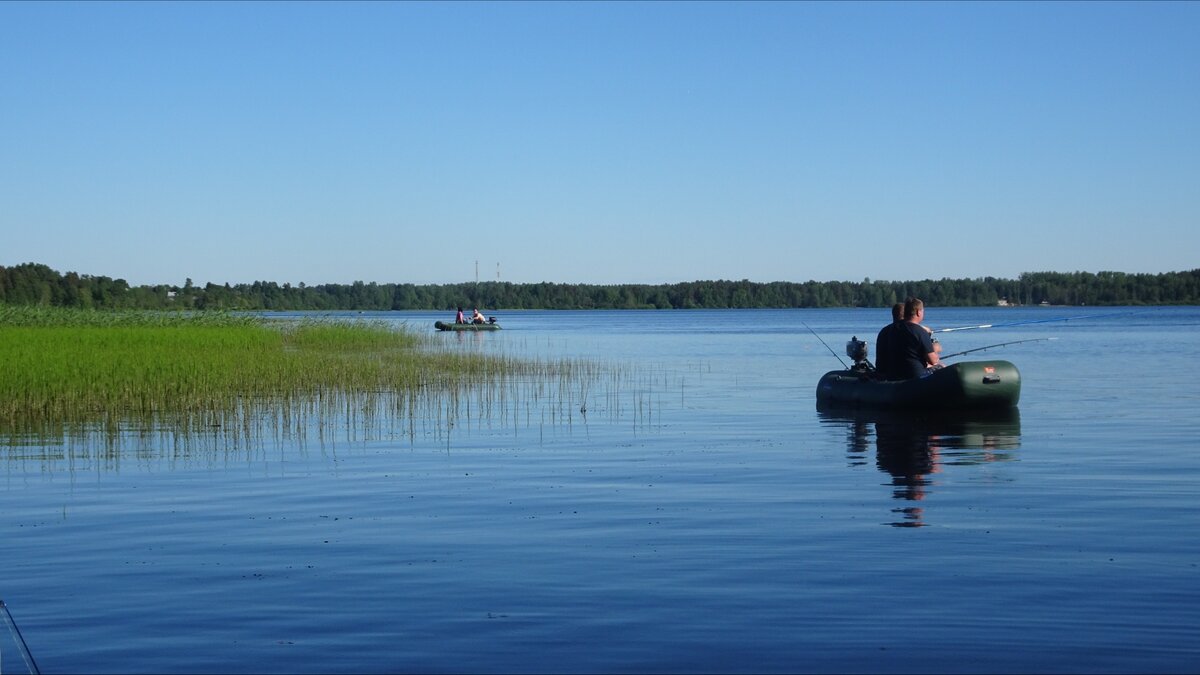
pixel 459 318
pixel 477 317
pixel 910 349
pixel 883 344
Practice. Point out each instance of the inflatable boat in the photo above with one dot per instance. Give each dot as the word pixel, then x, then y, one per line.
pixel 440 325
pixel 969 385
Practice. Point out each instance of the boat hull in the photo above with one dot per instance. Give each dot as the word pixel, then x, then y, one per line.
pixel 968 385
pixel 469 327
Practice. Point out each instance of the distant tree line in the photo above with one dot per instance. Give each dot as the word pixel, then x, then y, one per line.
pixel 36 284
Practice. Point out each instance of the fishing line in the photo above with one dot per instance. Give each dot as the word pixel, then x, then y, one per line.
pixel 1022 323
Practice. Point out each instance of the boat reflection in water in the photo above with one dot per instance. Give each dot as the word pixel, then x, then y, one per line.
pixel 913 447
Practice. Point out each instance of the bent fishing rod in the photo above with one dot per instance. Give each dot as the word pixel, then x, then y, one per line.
pixel 1022 323
pixel 1002 344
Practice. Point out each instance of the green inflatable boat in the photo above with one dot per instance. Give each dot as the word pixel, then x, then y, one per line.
pixel 468 327
pixel 969 385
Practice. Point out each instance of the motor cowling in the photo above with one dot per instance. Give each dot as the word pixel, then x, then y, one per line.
pixel 856 349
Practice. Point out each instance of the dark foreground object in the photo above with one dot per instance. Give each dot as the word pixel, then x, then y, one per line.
pixel 18 640
pixel 465 326
pixel 969 385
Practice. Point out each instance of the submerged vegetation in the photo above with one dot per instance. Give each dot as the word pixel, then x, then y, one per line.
pixel 64 368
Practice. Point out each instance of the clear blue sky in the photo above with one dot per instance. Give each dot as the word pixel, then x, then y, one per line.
pixel 598 142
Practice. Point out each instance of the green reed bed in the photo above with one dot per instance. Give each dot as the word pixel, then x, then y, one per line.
pixel 67 366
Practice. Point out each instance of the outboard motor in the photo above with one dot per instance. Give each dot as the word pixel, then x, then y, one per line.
pixel 857 349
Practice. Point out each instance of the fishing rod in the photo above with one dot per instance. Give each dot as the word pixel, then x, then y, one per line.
pixel 1002 344
pixel 23 648
pixel 1022 323
pixel 835 354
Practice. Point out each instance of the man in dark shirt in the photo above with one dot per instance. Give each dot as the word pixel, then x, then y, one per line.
pixel 910 349
pixel 883 344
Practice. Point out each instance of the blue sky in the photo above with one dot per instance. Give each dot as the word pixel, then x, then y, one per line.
pixel 598 142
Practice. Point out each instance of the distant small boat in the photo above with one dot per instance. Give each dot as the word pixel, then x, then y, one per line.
pixel 441 325
pixel 968 385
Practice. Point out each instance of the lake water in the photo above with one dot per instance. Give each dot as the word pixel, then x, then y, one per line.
pixel 692 513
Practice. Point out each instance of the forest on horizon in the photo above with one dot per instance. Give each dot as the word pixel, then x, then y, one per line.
pixel 39 285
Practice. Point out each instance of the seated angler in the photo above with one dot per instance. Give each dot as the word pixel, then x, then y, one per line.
pixel 911 351
pixel 883 345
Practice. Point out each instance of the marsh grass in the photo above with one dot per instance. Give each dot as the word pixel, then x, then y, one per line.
pixel 193 373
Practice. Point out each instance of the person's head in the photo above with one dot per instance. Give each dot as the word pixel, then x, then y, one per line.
pixel 460 309
pixel 913 309
pixel 898 311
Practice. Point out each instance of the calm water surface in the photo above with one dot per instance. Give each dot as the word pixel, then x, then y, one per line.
pixel 694 513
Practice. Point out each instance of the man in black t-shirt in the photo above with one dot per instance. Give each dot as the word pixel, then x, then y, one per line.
pixel 910 350
pixel 883 344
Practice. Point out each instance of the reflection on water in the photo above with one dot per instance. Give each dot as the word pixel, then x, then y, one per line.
pixel 913 448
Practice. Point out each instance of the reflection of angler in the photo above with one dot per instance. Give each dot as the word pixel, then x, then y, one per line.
pixel 22 648
pixel 909 458
pixel 911 447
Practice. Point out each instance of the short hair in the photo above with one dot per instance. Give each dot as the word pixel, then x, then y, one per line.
pixel 898 311
pixel 912 306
